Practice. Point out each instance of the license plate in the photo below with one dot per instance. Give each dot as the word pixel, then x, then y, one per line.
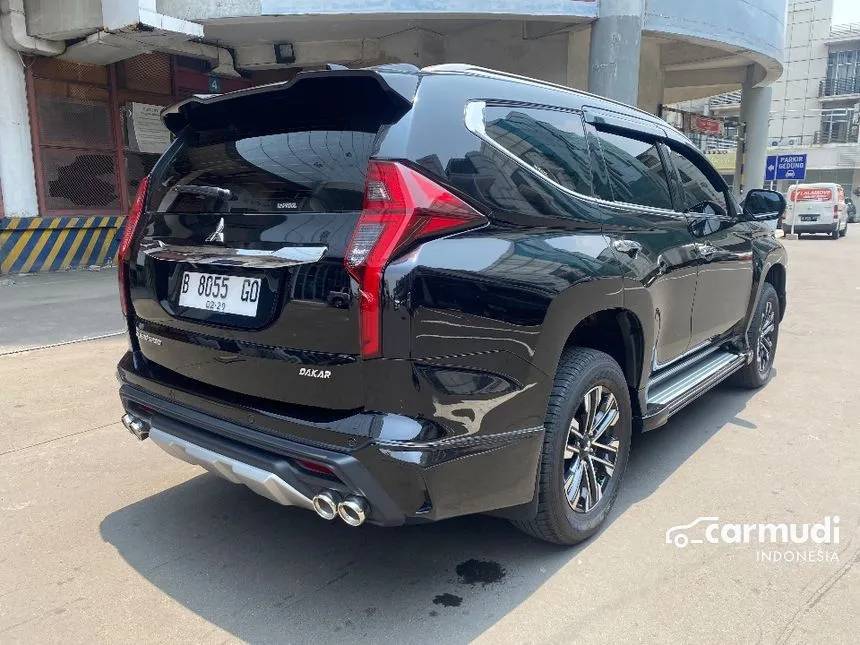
pixel 221 294
pixel 808 218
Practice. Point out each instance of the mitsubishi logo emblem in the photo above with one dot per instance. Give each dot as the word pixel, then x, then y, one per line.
pixel 218 235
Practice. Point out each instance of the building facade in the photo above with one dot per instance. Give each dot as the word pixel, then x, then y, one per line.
pixel 84 80
pixel 815 108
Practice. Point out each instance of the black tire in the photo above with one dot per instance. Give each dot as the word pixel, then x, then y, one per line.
pixel 581 371
pixel 834 235
pixel 844 231
pixel 753 376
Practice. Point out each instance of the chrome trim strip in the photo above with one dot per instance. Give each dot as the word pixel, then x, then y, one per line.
pixel 258 480
pixel 474 120
pixel 226 256
pixel 475 123
pixel 659 366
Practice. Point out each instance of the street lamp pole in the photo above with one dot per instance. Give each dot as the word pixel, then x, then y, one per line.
pixel 793 193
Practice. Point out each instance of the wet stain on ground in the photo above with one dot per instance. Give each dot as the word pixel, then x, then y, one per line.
pixel 471 572
pixel 485 572
pixel 447 600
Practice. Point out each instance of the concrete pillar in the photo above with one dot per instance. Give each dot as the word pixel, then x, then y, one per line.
pixel 578 44
pixel 650 77
pixel 755 112
pixel 616 39
pixel 17 175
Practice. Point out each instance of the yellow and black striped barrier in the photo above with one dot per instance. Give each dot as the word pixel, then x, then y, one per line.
pixel 34 244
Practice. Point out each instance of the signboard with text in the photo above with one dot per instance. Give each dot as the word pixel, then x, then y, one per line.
pixel 723 160
pixel 811 195
pixel 146 131
pixel 712 127
pixel 791 167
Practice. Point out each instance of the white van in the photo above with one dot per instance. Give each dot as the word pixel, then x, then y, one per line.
pixel 816 208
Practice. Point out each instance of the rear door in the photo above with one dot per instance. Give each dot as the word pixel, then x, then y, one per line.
pixel 723 246
pixel 813 204
pixel 239 282
pixel 650 239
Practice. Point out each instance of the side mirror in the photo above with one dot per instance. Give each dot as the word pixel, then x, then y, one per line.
pixel 763 205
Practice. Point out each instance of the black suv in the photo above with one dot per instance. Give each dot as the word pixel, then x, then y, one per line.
pixel 397 295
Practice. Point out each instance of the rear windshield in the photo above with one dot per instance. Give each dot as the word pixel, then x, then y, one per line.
pixel 308 171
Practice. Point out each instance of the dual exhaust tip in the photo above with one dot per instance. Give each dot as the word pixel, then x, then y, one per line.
pixel 329 504
pixel 138 427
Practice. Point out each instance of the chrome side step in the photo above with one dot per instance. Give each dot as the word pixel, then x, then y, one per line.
pixel 258 480
pixel 682 365
pixel 682 384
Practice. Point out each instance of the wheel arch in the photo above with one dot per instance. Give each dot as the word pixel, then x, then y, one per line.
pixel 776 276
pixel 770 263
pixel 616 331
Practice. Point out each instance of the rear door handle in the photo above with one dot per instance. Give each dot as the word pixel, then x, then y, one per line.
pixel 630 247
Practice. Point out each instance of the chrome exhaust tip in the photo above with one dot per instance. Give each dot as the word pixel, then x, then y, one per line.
pixel 326 504
pixel 138 427
pixel 353 510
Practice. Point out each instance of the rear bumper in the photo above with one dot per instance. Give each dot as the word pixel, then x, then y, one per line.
pixel 403 481
pixel 815 227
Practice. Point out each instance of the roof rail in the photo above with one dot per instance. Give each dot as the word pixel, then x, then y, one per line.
pixel 395 67
pixel 463 68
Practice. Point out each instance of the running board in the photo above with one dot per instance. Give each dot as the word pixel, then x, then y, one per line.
pixel 671 391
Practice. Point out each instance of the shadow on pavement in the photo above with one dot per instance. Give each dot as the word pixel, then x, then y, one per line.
pixel 269 574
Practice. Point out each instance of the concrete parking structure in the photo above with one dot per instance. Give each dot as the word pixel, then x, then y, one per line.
pixel 79 122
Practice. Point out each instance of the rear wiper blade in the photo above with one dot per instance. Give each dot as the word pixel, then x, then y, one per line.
pixel 205 191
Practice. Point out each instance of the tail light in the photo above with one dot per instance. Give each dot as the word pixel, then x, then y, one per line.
pixel 132 222
pixel 400 208
pixel 835 211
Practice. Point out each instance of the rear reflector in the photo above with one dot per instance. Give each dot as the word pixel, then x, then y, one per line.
pixel 131 224
pixel 401 207
pixel 314 467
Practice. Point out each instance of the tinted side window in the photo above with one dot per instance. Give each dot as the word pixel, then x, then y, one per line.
pixel 635 170
pixel 698 194
pixel 552 142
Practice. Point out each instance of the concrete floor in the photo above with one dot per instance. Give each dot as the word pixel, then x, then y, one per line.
pixel 40 309
pixel 106 540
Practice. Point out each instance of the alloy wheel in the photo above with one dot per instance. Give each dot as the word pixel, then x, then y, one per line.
pixel 591 449
pixel 764 350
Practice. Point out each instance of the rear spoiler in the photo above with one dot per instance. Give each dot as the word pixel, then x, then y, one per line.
pixel 390 89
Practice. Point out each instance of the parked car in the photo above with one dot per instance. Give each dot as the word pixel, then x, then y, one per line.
pixel 851 210
pixel 459 291
pixel 816 208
